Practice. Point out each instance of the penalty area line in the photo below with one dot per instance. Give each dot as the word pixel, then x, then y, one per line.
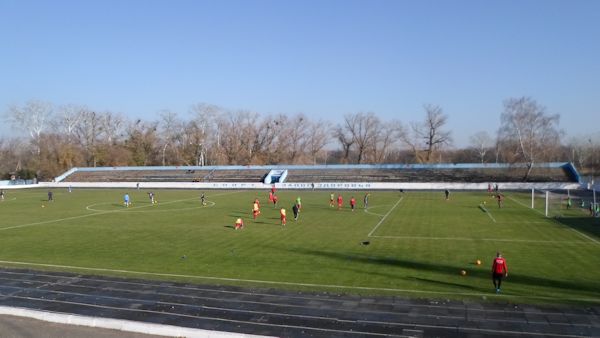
pixel 270 282
pixel 574 230
pixel 384 217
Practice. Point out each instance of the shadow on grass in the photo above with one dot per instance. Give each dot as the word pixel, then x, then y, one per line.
pixel 587 225
pixel 448 269
pixel 437 282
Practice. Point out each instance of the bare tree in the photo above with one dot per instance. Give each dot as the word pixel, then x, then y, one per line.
pixel 481 143
pixel 205 117
pixel 170 129
pixel 363 128
pixel 67 118
pixel 113 126
pixel 34 117
pixel 141 142
pixel 88 132
pixel 427 137
pixel 530 131
pixel 385 137
pixel 435 137
pixel 317 138
pixel 346 141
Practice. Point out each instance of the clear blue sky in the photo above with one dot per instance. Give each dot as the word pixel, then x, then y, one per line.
pixel 321 57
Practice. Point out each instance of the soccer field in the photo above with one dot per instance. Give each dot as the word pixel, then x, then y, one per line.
pixel 411 244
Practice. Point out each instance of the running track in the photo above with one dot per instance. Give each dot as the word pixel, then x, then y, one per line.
pixel 283 313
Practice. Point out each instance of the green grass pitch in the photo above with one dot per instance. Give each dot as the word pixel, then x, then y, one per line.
pixel 418 243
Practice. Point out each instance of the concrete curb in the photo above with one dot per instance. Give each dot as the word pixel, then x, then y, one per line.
pixel 119 324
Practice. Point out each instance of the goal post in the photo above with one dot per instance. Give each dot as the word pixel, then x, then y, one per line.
pixel 551 203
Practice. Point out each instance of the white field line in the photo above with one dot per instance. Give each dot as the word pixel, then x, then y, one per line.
pixel 489 213
pixel 372 213
pixel 384 217
pixel 97 213
pixel 575 230
pixel 282 282
pixel 481 239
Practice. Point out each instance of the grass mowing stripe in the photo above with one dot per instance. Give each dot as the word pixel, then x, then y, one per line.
pixel 481 239
pixel 99 213
pixel 203 242
pixel 384 217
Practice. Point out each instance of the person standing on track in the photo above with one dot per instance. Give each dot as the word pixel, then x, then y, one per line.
pixel 499 271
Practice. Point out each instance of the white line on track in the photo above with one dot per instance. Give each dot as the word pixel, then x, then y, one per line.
pixel 348 287
pixel 175 290
pixel 384 217
pixel 205 317
pixel 575 230
pixel 99 213
pixel 480 239
pixel 225 309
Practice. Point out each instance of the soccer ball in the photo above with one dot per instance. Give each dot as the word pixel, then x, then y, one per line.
pixel 478 262
pixel 463 272
pixel 43 206
pixel 484 202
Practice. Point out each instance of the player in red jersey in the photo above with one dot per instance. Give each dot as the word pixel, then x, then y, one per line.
pixel 255 209
pixel 352 203
pixel 500 199
pixel 499 271
pixel 239 224
pixel 340 202
pixel 282 214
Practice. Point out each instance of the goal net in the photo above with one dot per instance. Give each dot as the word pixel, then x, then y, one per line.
pixel 560 203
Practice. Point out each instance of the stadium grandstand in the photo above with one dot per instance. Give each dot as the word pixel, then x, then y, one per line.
pixel 386 173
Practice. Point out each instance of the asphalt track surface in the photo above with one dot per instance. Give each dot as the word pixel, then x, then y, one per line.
pixel 20 327
pixel 282 313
